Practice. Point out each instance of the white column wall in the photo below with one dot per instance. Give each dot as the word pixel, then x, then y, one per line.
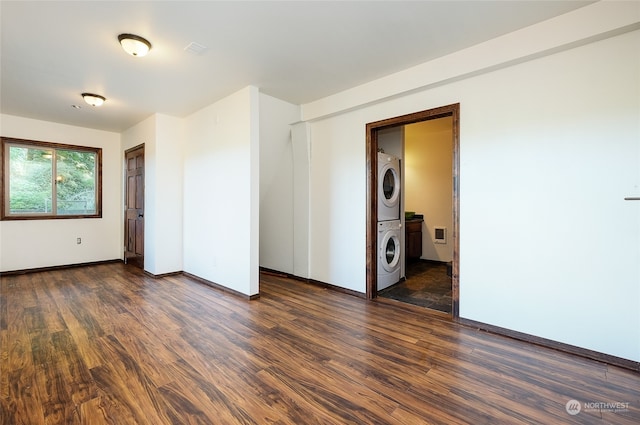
pixel 276 183
pixel 301 141
pixel 221 193
pixel 167 205
pixel 337 203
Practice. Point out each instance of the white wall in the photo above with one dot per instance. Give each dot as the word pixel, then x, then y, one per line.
pixel 168 196
pixel 276 183
pixel 549 148
pixel 548 245
pixel 337 204
pixel 162 137
pixel 46 243
pixel 221 192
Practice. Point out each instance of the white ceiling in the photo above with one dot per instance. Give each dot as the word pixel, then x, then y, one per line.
pixel 298 51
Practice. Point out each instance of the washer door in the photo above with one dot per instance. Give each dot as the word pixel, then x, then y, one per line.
pixel 390 251
pixel 389 185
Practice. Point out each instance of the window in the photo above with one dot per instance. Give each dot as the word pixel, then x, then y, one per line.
pixel 44 180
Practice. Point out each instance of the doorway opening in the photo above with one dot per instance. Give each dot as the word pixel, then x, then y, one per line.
pixel 134 207
pixel 376 133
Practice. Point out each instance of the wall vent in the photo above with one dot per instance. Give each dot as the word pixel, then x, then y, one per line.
pixel 440 235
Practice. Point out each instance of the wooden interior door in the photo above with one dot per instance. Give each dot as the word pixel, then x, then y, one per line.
pixel 134 208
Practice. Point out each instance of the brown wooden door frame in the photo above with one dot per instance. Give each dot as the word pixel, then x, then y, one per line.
pixel 372 193
pixel 134 216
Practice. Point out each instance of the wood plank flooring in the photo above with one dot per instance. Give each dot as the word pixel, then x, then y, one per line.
pixel 107 344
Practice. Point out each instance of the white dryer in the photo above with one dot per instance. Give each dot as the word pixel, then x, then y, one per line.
pixel 389 246
pixel 388 187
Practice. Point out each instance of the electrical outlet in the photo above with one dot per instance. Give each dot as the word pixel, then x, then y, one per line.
pixel 79 241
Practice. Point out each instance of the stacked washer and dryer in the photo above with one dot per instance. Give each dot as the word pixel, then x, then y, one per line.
pixel 389 223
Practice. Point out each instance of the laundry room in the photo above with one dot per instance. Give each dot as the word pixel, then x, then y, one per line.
pixel 428 188
pixel 425 150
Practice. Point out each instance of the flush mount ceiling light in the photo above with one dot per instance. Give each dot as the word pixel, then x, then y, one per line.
pixel 93 99
pixel 134 44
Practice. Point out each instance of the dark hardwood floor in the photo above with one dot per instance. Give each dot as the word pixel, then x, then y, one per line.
pixel 107 344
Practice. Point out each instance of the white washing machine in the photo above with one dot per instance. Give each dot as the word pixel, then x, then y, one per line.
pixel 388 187
pixel 389 253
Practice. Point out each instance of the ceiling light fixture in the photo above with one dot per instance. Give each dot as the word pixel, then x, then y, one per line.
pixel 134 44
pixel 93 99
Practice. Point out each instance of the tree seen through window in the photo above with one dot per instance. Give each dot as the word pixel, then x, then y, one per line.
pixel 49 180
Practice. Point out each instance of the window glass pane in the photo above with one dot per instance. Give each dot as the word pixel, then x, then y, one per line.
pixel 75 182
pixel 30 188
pixel 44 180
